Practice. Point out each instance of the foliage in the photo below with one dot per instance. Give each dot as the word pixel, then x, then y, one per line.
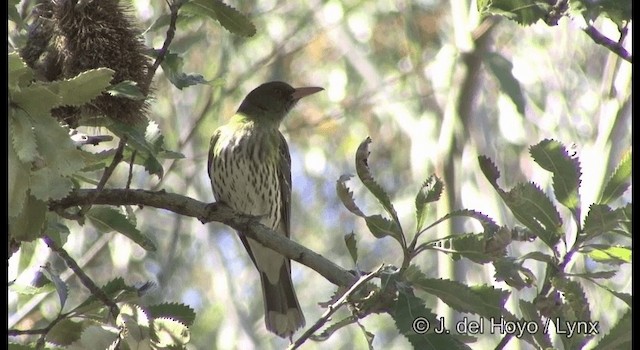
pixel 560 298
pixel 527 12
pixel 45 165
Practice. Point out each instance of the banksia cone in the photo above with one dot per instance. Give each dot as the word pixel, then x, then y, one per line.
pixel 69 37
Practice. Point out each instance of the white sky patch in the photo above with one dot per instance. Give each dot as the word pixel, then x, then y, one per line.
pixel 337 85
pixel 510 121
pixel 332 12
pixel 144 9
pixel 276 28
pixel 360 25
pixel 315 161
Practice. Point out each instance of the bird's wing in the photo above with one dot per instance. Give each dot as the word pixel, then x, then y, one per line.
pixel 212 145
pixel 284 176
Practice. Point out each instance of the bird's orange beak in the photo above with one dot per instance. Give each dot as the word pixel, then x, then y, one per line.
pixel 305 91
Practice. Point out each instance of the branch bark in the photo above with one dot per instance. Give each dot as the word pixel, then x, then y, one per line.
pixel 615 47
pixel 208 212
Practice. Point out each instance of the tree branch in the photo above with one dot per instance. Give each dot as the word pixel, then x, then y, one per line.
pixel 615 47
pixel 174 6
pixel 211 212
pixel 86 280
pixel 333 308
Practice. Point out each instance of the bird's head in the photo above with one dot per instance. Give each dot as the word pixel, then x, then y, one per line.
pixel 270 102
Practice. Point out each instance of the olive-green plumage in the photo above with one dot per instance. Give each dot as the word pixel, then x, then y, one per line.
pixel 250 170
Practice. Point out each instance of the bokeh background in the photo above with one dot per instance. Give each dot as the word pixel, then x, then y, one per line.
pixel 413 76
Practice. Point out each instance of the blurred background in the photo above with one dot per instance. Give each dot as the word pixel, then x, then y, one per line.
pixel 412 75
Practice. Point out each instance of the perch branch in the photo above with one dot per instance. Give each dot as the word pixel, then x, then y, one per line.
pixel 207 213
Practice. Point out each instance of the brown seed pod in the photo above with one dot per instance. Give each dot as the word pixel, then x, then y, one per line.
pixel 87 34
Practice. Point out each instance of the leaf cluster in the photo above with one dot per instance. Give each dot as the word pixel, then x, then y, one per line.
pixel 560 297
pixel 89 325
pixel 45 165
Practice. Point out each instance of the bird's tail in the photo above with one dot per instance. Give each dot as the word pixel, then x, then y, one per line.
pixel 282 313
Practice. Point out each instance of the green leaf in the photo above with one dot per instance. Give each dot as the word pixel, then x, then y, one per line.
pixel 552 156
pixel 513 273
pixel 18 183
pixel 608 254
pixel 36 100
pixel 13 13
pixel 620 336
pixel 461 297
pixel 488 225
pixel 502 69
pixel 61 287
pixel 619 11
pixel 346 196
pixel 27 226
pixel 601 220
pixel 126 88
pixel 619 181
pixel 410 315
pixel 625 297
pixel 65 332
pixel 524 12
pixel 84 87
pixel 350 242
pixel 56 230
pixel 530 314
pixel 25 289
pixel 182 80
pixel 232 20
pixel 539 256
pixel 574 297
pixel 179 312
pixel 381 227
pixel 624 220
pixel 115 290
pixel 107 219
pixel 490 171
pixel 136 322
pixel 46 184
pixel 430 191
pixel 172 67
pixel 98 336
pixel 19 74
pixel 148 161
pixel 470 245
pixel 528 204
pixel 146 139
pixel 169 333
pixel 497 242
pixel 54 144
pixel 23 136
pixel 364 173
pixel 164 154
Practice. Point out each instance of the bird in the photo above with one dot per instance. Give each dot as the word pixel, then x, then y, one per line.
pixel 249 165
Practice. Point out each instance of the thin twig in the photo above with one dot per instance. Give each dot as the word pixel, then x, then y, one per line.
pixel 86 280
pixel 133 159
pixel 174 6
pixel 108 171
pixel 17 332
pixel 29 305
pixel 624 30
pixel 333 308
pixel 615 47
